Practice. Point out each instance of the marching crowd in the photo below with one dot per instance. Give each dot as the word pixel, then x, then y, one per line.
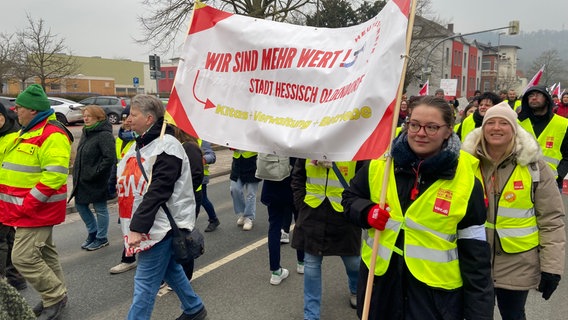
pixel 465 215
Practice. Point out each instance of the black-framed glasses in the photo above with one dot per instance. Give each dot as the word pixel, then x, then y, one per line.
pixel 430 129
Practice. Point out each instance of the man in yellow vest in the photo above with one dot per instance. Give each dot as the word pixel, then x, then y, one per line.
pixel 549 129
pixel 9 128
pixel 512 100
pixel 33 194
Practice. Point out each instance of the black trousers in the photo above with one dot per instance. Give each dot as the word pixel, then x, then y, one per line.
pixel 511 303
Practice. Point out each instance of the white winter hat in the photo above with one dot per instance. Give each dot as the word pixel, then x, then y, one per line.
pixel 502 110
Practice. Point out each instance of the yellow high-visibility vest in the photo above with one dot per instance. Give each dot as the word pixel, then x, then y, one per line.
pixel 322 183
pixel 550 139
pixel 430 225
pixel 516 222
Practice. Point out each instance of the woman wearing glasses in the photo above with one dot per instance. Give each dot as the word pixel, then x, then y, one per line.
pixel 433 258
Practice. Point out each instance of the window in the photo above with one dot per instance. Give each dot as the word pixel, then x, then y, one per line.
pixel 54 102
pixel 171 74
pixel 162 74
pixel 55 86
pixel 486 85
pixel 465 60
pixel 103 101
pixel 447 56
pixel 463 83
pixel 88 101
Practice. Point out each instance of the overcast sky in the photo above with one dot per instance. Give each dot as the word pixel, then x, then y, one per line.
pixel 108 28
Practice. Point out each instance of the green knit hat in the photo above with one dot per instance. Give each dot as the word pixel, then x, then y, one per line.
pixel 33 98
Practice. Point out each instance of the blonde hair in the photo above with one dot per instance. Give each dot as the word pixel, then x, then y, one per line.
pixel 96 112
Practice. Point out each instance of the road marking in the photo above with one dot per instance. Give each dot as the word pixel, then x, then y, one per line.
pixel 223 261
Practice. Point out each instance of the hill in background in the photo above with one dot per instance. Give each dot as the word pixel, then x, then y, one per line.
pixel 532 44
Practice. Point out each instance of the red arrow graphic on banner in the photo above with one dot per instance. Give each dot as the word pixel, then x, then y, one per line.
pixel 208 104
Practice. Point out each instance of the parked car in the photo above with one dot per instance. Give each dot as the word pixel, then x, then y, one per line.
pixel 10 105
pixel 113 106
pixel 66 111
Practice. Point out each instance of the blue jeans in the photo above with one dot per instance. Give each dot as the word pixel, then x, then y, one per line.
pixel 244 198
pixel 312 282
pixel 98 225
pixel 156 264
pixel 207 205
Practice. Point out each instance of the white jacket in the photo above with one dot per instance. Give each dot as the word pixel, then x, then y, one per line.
pixel 132 186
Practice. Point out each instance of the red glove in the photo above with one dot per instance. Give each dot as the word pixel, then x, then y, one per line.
pixel 377 217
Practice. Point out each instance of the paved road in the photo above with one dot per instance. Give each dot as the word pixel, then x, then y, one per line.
pixel 232 276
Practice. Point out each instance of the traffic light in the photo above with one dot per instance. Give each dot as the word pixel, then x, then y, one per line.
pixel 154 62
pixel 513 27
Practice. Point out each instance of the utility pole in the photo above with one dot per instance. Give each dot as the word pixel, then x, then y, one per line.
pixel 155 71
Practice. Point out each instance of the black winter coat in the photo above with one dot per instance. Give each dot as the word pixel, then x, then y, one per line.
pixel 321 231
pixel 96 155
pixel 398 294
pixel 244 169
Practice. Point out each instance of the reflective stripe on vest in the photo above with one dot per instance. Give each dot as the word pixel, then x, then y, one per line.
pixel 430 224
pixel 516 220
pixel 322 183
pixel 550 139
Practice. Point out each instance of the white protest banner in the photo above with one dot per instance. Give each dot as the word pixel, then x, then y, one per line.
pixel 450 86
pixel 271 87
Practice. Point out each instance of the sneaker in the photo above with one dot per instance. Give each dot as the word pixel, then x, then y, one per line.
pixel 90 239
pixel 200 315
pixel 278 276
pixel 97 244
pixel 353 300
pixel 122 267
pixel 247 225
pixel 300 267
pixel 213 225
pixel 240 221
pixel 284 237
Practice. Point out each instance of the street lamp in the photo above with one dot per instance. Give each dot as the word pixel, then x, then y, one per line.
pixel 498 62
pixel 513 29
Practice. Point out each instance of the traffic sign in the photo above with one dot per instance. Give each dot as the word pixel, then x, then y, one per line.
pixel 136 82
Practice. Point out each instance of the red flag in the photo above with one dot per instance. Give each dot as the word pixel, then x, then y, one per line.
pixel 556 90
pixel 535 80
pixel 424 90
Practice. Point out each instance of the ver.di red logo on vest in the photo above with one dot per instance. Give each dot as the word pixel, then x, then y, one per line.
pixel 443 202
pixel 549 142
pixel 518 185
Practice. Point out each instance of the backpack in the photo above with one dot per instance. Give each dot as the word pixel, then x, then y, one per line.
pixel 272 167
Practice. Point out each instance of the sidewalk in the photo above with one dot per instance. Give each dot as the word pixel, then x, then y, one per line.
pixel 221 167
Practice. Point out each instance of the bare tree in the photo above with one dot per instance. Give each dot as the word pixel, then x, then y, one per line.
pixel 46 56
pixel 554 68
pixel 171 16
pixel 21 69
pixel 7 57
